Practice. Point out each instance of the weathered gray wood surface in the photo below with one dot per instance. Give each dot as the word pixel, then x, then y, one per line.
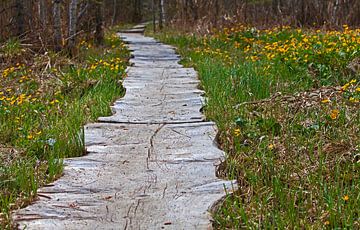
pixel 149 166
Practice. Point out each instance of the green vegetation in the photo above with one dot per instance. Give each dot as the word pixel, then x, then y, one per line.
pixel 286 103
pixel 44 102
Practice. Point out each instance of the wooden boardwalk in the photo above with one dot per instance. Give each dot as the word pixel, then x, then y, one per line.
pixel 149 166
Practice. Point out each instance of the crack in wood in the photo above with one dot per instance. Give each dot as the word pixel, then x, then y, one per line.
pixel 202 121
pixel 163 196
pixel 151 148
pixel 129 217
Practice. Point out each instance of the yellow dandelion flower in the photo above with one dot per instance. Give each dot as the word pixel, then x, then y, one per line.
pixel 334 114
pixel 354 100
pixel 345 198
pixel 325 101
pixel 54 101
pixel 344 87
pixel 237 132
pixel 271 146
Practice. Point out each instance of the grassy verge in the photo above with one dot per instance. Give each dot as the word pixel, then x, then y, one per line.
pixel 44 102
pixel 286 102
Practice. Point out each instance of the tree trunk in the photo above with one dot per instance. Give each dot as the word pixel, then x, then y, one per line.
pixel 161 14
pixel 42 12
pixel 20 17
pixel 99 23
pixel 185 9
pixel 137 11
pixel 162 8
pixel 114 16
pixel 72 26
pixel 194 10
pixel 154 15
pixel 57 25
pixel 217 12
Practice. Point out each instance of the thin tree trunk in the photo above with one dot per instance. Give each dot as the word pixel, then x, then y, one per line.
pixel 113 20
pixel 72 26
pixel 20 17
pixel 137 11
pixel 99 23
pixel 42 12
pixel 217 10
pixel 57 25
pixel 154 15
pixel 194 10
pixel 186 8
pixel 161 7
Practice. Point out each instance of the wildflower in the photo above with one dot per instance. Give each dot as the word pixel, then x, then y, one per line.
pixel 345 198
pixel 54 101
pixel 327 222
pixel 325 101
pixel 344 87
pixel 237 132
pixel 354 100
pixel 357 89
pixel 334 114
pixel 271 146
pixel 30 137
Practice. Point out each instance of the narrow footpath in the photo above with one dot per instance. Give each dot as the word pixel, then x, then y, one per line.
pixel 149 166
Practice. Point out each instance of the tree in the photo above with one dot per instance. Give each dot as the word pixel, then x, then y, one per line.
pixel 72 26
pixel 114 12
pixel 42 12
pixel 20 17
pixel 99 22
pixel 57 25
pixel 137 16
pixel 161 14
pixel 153 14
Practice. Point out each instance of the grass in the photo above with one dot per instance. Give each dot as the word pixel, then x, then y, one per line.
pixel 45 99
pixel 286 102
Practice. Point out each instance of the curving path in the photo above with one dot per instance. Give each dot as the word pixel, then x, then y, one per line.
pixel 149 166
